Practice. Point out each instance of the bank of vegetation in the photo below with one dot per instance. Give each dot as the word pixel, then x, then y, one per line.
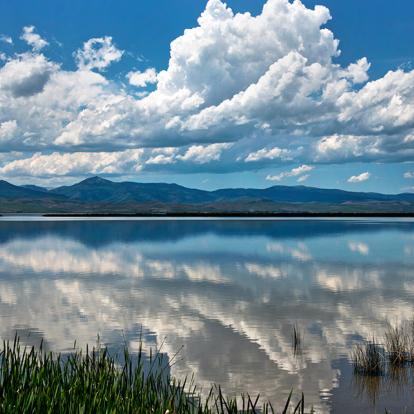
pixel 394 350
pixel 93 381
pixel 33 381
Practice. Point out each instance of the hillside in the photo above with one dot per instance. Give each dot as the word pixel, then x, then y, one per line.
pixel 96 195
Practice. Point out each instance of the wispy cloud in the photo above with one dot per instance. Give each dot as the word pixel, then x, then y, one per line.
pixel 359 178
pixel 292 173
pixel 33 39
pixel 303 178
pixel 6 39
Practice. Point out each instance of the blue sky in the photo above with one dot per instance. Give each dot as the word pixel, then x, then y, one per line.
pixel 186 126
pixel 382 32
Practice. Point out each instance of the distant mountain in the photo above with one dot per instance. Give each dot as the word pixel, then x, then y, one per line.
pixel 35 188
pixel 302 194
pixel 10 191
pixel 97 189
pixel 98 195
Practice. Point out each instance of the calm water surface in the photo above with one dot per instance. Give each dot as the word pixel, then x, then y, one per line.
pixel 227 291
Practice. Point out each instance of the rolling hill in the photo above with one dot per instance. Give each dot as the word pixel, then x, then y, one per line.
pixel 97 189
pixel 14 192
pixel 97 195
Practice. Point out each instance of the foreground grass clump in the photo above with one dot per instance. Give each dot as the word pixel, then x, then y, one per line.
pixel 399 344
pixel 397 351
pixel 32 381
pixel 368 359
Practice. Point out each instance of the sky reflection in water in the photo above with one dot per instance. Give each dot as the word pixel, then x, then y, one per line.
pixel 228 291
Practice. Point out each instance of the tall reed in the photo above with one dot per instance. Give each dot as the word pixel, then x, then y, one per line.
pixel 296 340
pixel 397 345
pixel 368 358
pixel 33 381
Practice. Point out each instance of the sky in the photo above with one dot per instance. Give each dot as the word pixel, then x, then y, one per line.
pixel 209 94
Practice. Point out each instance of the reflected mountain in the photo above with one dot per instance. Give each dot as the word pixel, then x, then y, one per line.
pixel 228 291
pixel 96 233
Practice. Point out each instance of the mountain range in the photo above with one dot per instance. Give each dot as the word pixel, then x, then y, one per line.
pixel 96 195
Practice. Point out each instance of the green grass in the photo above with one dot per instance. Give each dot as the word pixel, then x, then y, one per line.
pixel 33 381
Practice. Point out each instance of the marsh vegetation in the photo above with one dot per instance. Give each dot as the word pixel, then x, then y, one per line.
pixel 397 350
pixel 297 340
pixel 33 381
pixel 93 381
pixel 385 366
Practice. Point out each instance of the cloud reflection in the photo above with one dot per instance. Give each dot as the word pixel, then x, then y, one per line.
pixel 359 247
pixel 233 311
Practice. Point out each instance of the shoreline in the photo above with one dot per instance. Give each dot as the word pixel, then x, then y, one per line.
pixel 232 215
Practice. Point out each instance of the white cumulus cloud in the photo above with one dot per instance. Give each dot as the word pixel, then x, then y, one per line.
pixel 162 156
pixel 25 76
pixel 295 172
pixel 98 53
pixel 73 164
pixel 7 129
pixel 359 178
pixel 267 85
pixel 267 154
pixel 32 38
pixel 142 79
pixel 203 154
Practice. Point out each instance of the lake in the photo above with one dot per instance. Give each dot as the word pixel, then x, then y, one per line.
pixel 224 294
